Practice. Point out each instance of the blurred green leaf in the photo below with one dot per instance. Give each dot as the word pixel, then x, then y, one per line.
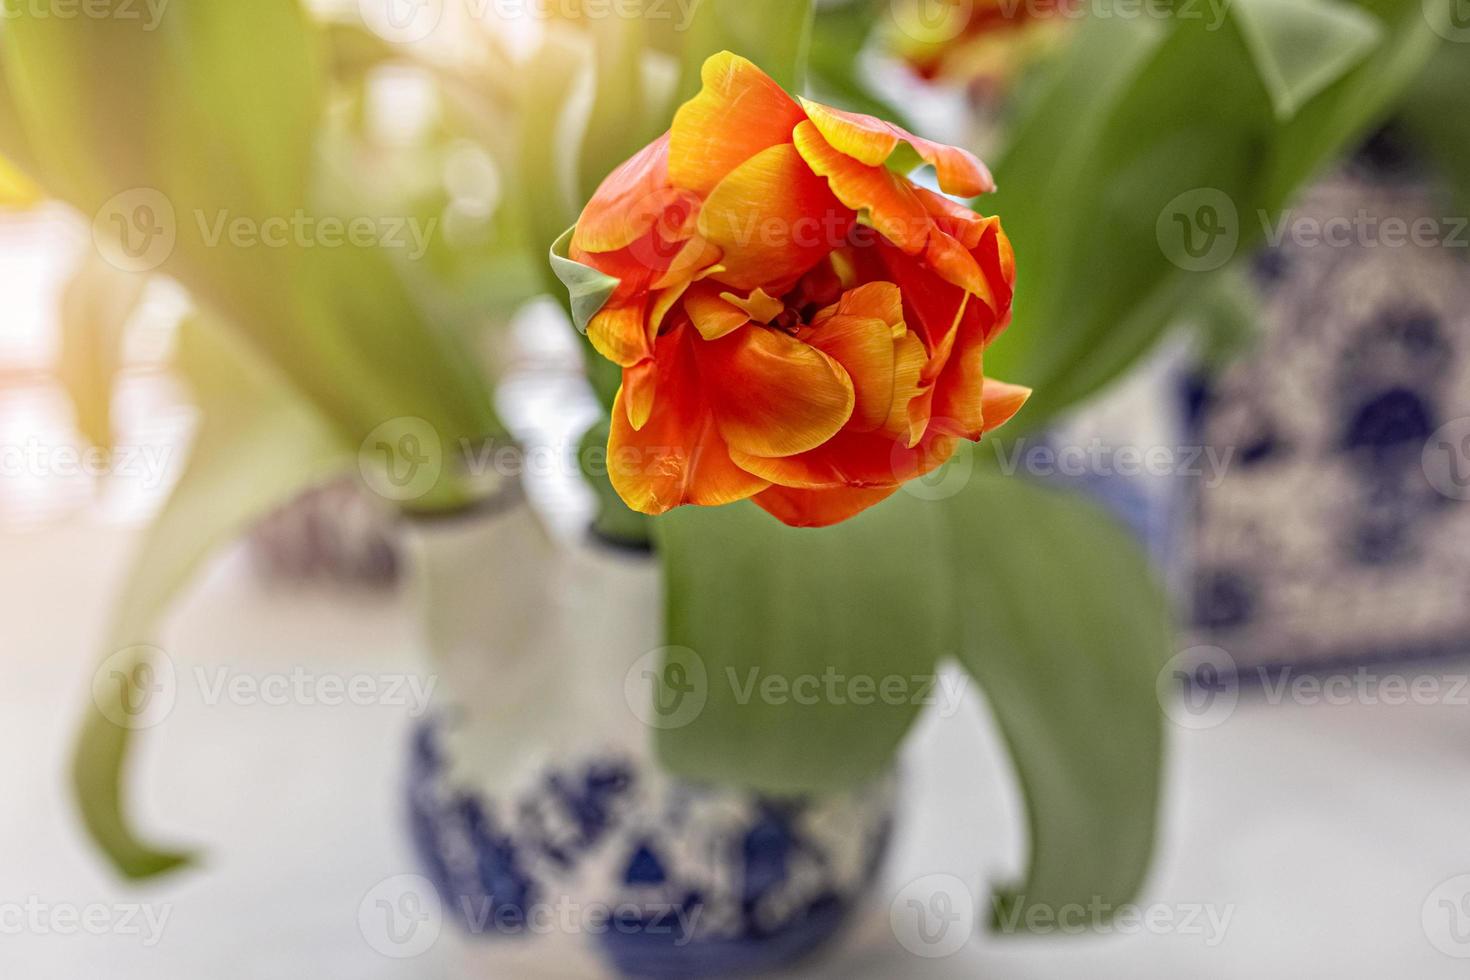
pixel 839 37
pixel 1050 606
pixel 1065 630
pixel 99 763
pixel 1140 115
pixel 213 117
pixel 549 209
pixel 258 446
pixel 1226 315
pixel 754 599
pixel 96 305
pixel 1302 46
pixel 1434 115
pixel 620 123
pixel 775 34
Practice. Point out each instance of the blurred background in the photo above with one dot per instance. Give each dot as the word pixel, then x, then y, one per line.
pixel 1245 260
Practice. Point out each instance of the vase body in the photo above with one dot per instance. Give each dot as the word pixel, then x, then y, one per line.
pixel 1340 537
pixel 557 844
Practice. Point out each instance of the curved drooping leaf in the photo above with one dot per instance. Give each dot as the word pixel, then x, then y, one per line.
pixel 257 446
pixel 96 304
pixel 1048 604
pixel 1065 629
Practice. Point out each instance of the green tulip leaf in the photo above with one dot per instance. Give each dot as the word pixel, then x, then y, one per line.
pixel 588 288
pixel 258 446
pixel 1065 629
pixel 1302 46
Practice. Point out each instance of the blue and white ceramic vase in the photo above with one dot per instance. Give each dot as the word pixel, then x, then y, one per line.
pixel 557 845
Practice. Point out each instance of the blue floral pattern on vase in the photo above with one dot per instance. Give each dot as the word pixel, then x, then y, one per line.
pixel 1329 542
pixel 688 881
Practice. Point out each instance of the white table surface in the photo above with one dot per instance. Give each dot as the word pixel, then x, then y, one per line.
pixel 1322 829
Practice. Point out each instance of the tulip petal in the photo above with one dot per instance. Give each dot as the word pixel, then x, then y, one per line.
pixel 853 459
pixel 712 314
pixel 819 508
pixel 639 390
pixel 909 417
pixel 629 201
pixel 678 457
pixel 620 333
pixel 958 407
pixel 880 299
pixel 771 394
pixel 1002 401
pixel 864 348
pixel 739 112
pixel 871 141
pixel 932 307
pixel 887 198
pixel 759 305
pixel 956 265
pixel 954 218
pixel 773 219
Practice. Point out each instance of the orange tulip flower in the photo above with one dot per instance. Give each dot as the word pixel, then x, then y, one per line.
pixel 986 43
pixel 797 323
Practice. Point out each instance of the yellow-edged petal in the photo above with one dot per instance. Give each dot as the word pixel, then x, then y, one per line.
pixel 871 141
pixel 771 394
pixel 888 199
pixel 739 112
pixel 772 219
pixel 678 457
